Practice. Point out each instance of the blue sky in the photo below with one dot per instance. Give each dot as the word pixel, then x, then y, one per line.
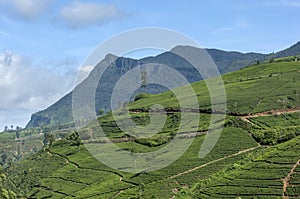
pixel 43 42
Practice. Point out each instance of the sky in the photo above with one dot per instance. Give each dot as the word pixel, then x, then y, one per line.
pixel 44 42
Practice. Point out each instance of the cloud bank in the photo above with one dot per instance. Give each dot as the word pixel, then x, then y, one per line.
pixel 80 14
pixel 27 88
pixel 27 9
pixel 74 14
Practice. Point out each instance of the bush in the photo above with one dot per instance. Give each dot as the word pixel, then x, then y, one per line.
pixel 276 135
pixel 238 123
pixel 153 141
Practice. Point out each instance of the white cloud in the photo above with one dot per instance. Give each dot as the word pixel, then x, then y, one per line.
pixel 86 69
pixel 28 9
pixel 80 14
pixel 26 88
pixel 83 72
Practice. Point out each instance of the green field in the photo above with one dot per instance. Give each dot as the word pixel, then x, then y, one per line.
pixel 255 177
pixel 75 172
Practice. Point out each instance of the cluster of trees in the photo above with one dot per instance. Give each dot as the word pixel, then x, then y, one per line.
pixel 11 128
pixel 49 139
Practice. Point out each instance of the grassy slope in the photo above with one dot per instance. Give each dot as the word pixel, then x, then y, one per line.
pixel 259 177
pixel 65 171
pixel 252 89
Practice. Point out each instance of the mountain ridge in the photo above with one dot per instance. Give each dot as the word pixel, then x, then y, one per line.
pixel 60 112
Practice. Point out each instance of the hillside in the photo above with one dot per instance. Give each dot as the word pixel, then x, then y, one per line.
pixel 291 51
pixel 60 112
pixel 256 155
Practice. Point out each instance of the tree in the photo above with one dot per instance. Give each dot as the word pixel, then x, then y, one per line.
pixel 18 128
pixel 5 128
pixel 295 58
pixel 45 141
pixel 3 159
pixel 75 138
pixel 51 139
pixel 100 112
pixel 17 134
pixel 48 139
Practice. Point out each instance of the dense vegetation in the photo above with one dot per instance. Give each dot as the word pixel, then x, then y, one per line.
pixel 65 169
pixel 5 193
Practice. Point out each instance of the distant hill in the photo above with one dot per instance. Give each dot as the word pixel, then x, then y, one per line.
pixel 61 112
pixel 291 51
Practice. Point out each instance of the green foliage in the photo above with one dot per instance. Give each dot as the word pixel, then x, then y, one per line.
pixel 69 169
pixel 153 141
pixel 238 123
pixel 259 176
pixel 74 138
pixel 276 129
pixel 276 135
pixel 5 193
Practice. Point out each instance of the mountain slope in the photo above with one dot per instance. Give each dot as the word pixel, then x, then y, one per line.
pixel 291 51
pixel 60 112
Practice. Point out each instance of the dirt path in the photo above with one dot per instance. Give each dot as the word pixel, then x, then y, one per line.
pixel 287 179
pixel 214 161
pixel 272 112
pixel 117 194
pixel 268 113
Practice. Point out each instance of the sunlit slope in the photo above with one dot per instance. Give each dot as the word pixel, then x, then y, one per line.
pixel 253 89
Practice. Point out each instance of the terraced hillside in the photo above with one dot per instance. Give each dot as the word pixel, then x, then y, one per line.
pixel 256 156
pixel 254 89
pixel 272 174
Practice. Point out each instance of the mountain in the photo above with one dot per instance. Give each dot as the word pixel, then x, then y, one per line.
pixel 291 51
pixel 60 113
pixel 256 155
